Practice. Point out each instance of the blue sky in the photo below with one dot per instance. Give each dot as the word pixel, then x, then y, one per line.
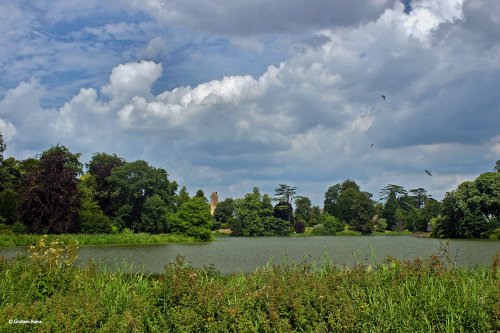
pixel 230 95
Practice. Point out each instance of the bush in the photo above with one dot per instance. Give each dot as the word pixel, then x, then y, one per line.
pixel 300 228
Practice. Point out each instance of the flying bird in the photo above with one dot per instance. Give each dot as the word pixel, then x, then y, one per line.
pixel 371 145
pixel 428 172
pixel 383 97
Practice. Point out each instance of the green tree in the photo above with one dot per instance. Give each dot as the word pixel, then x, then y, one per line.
pixel 332 224
pixel 286 194
pixel 3 147
pixel 51 200
pixel 419 196
pixel 316 216
pixel 154 216
pixel 193 219
pixel 497 166
pixel 183 196
pixel 132 184
pixel 389 213
pixel 251 212
pixel 356 208
pixel 101 166
pixel 92 219
pixel 9 203
pixel 224 211
pixel 277 226
pixel 472 210
pixel 303 209
pixel 430 210
pixel 331 200
pixel 281 211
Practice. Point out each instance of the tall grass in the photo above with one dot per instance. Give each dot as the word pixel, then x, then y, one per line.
pixel 413 296
pixel 102 239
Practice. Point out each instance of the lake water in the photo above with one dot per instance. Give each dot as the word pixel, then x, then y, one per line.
pixel 245 254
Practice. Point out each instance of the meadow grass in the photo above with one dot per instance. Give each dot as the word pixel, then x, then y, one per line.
pixel 428 295
pixel 97 239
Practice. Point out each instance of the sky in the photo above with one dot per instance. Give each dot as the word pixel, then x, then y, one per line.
pixel 228 95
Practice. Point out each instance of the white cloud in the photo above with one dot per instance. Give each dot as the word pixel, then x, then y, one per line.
pixel 310 120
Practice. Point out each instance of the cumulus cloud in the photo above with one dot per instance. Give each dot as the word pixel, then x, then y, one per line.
pixel 310 120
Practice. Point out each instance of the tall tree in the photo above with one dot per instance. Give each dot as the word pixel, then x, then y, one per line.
pixel 389 213
pixel 472 210
pixel 132 184
pixel 251 213
pixel 91 217
pixel 497 166
pixel 100 167
pixel 51 199
pixel 355 207
pixel 419 196
pixel 285 193
pixel 331 200
pixel 392 189
pixel 303 209
pixel 3 147
pixel 193 219
pixel 224 211
pixel 183 196
pixel 154 216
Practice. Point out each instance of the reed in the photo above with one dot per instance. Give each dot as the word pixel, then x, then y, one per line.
pixel 430 295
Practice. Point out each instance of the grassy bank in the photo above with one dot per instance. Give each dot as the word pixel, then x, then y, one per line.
pixel 418 296
pixel 105 239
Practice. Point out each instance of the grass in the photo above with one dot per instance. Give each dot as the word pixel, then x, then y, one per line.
pixel 104 239
pixel 428 295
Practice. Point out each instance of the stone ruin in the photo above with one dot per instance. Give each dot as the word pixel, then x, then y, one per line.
pixel 214 199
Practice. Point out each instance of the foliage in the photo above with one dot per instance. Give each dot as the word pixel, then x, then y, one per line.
pixel 282 211
pixel 183 196
pixel 276 226
pixel 381 225
pixel 154 216
pixel 224 210
pixel 133 183
pixel 389 212
pixel 100 168
pixel 356 209
pixel 91 217
pixel 9 202
pixel 472 210
pixel 332 224
pixel 3 147
pixel 303 209
pixel 286 194
pixel 394 296
pixel 193 219
pixel 346 202
pixel 251 212
pixel 331 197
pixel 316 216
pixel 51 199
pixel 299 226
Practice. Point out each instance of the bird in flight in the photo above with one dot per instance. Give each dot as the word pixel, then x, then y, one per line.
pixel 428 172
pixel 371 145
pixel 383 97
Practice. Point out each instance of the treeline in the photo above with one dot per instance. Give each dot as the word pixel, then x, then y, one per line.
pixel 51 194
pixel 471 211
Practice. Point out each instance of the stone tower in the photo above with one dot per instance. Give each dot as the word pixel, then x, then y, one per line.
pixel 213 202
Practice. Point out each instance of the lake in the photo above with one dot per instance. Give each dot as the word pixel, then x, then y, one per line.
pixel 245 254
